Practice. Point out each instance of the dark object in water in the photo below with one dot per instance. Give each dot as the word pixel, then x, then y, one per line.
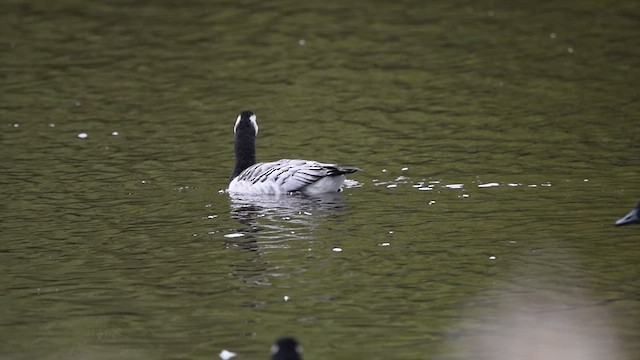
pixel 286 348
pixel 631 217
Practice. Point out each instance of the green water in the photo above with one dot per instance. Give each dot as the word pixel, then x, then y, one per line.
pixel 498 143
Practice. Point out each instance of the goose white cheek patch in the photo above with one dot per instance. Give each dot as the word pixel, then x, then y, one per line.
pixel 252 118
pixel 235 126
pixel 254 122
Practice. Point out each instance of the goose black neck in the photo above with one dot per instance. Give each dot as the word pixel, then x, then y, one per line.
pixel 245 143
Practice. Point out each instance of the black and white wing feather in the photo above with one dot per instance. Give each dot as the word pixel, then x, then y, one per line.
pixel 290 176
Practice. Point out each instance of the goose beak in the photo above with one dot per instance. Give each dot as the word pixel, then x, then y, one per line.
pixel 630 218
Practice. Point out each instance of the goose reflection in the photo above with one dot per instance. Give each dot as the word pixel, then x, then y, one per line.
pixel 273 220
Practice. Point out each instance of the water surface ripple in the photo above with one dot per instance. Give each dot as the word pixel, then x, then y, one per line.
pixel 498 143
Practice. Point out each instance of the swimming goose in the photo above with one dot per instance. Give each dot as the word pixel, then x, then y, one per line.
pixel 286 349
pixel 284 176
pixel 630 218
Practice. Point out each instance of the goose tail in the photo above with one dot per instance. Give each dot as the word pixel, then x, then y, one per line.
pixel 336 170
pixel 349 170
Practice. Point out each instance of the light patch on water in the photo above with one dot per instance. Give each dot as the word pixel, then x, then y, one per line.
pixel 285 298
pixel 384 244
pixel 234 235
pixel 349 183
pixel 301 42
pixel 114 133
pixel 454 186
pixel 51 125
pixel 226 354
pixel 431 202
pixel 336 249
pixel 405 169
pixel 531 320
pixel 573 334
pixel 83 135
pixel 433 184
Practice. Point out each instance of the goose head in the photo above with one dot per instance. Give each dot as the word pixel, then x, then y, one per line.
pixel 286 348
pixel 246 123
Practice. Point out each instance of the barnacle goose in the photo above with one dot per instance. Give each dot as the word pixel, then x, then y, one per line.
pixel 284 176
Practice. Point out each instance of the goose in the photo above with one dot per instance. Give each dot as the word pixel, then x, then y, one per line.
pixel 286 348
pixel 285 176
pixel 631 217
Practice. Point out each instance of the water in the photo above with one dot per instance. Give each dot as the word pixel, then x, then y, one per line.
pixel 498 143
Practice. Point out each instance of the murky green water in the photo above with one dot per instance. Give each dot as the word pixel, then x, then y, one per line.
pixel 498 142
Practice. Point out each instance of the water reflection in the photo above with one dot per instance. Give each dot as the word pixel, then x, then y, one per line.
pixel 277 219
pixel 272 222
pixel 246 208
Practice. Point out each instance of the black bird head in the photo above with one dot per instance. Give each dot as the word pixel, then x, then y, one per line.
pixel 286 348
pixel 246 122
